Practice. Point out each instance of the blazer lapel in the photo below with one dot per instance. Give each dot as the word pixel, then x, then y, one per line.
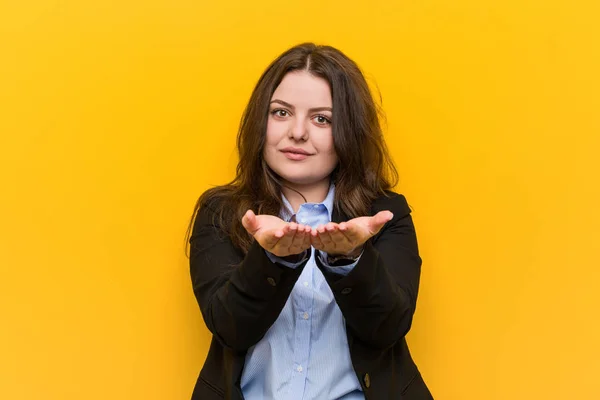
pixel 337 216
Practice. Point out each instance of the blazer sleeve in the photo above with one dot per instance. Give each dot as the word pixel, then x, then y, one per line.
pixel 240 296
pixel 378 297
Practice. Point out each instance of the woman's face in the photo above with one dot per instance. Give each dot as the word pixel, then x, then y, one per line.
pixel 299 143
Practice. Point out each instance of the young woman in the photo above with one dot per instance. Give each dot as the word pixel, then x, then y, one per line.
pixel 306 266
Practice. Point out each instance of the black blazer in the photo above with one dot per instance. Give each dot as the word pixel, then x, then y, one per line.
pixel 241 296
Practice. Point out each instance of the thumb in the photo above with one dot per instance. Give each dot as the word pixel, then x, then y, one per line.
pixel 380 219
pixel 249 222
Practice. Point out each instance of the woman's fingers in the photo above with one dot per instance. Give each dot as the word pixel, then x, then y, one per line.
pixel 379 220
pixel 337 239
pixel 351 231
pixel 340 240
pixel 324 232
pixel 315 239
pixel 272 239
pixel 286 240
pixel 293 238
pixel 307 237
pixel 304 237
pixel 249 222
pixel 294 241
pixel 297 240
pixel 351 234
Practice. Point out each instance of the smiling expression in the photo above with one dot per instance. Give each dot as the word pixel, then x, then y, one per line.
pixel 299 141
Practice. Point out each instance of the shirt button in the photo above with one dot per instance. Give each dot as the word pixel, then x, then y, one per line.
pixel 316 206
pixel 271 281
pixel 346 290
pixel 299 369
pixel 367 380
pixel 305 316
pixel 306 284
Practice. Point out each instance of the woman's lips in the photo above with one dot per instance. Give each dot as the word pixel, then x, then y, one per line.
pixel 294 156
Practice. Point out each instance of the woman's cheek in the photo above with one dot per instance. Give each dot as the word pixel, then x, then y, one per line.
pixel 278 134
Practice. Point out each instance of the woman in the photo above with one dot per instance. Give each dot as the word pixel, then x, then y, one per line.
pixel 306 266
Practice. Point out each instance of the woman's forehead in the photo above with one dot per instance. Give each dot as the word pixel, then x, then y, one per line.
pixel 302 89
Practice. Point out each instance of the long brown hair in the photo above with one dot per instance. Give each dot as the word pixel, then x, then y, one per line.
pixel 365 169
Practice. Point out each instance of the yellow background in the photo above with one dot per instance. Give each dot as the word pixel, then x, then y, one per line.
pixel 116 115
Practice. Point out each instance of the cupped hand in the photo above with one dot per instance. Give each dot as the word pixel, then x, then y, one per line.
pixel 347 238
pixel 277 236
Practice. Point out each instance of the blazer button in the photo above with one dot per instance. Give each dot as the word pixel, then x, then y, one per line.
pixel 346 290
pixel 367 380
pixel 271 281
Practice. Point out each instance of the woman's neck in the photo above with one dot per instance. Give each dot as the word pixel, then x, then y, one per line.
pixel 314 193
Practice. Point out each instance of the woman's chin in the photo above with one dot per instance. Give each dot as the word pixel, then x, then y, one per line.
pixel 302 180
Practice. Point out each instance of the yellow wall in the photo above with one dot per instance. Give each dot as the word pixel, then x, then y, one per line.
pixel 115 116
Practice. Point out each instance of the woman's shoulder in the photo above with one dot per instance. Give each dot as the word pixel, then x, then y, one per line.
pixel 215 206
pixel 391 201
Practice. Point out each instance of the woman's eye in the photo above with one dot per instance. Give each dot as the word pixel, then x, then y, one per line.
pixel 322 120
pixel 279 113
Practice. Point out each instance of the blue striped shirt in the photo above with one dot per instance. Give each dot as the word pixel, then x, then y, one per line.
pixel 305 354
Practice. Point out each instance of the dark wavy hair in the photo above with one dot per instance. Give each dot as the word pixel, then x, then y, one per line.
pixel 365 169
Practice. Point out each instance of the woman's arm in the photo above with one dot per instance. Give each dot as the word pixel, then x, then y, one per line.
pixel 240 296
pixel 378 297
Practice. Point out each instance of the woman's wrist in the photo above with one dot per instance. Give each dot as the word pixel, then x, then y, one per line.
pixel 294 258
pixel 350 255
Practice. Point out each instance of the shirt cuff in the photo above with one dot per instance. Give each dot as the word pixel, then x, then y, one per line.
pixel 340 270
pixel 285 263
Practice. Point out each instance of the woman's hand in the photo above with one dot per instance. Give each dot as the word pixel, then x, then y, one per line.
pixel 348 238
pixel 277 236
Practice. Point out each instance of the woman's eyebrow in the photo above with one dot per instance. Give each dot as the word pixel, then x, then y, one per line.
pixel 292 107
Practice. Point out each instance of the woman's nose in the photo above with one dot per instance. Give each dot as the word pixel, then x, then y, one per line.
pixel 299 130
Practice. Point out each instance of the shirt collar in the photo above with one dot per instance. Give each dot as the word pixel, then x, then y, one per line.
pixel 288 211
